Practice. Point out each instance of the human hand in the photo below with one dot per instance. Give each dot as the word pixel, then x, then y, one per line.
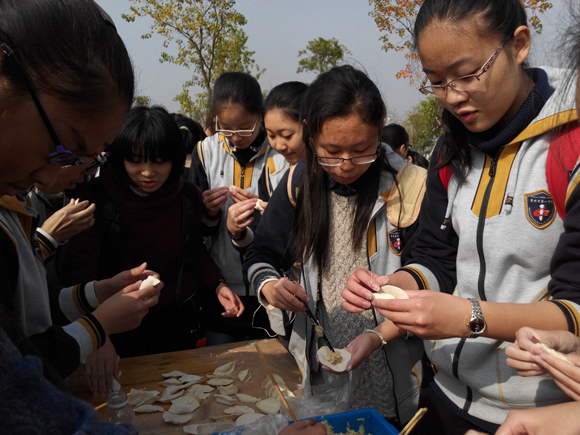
pixel 304 428
pixel 360 286
pixel 124 310
pixel 231 302
pixel 101 367
pixel 284 294
pixel 70 220
pixel 561 419
pixel 524 353
pixel 430 315
pixel 105 288
pixel 238 194
pixel 240 215
pixel 360 349
pixel 214 199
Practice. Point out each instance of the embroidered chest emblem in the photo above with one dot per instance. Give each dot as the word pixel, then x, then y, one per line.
pixel 396 241
pixel 540 208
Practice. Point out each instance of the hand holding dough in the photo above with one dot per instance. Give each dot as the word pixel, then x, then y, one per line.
pixel 151 281
pixel 390 292
pixel 337 367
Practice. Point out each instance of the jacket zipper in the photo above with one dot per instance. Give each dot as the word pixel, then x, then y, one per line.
pixel 243 176
pixel 482 269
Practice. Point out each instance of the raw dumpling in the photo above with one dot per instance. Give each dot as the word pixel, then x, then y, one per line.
pixel 174 374
pixel 239 410
pixel 228 390
pixel 224 400
pixel 151 281
pixel 245 375
pixel 259 206
pixel 323 358
pixel 269 406
pixel 149 408
pixel 170 381
pixel 246 398
pixel 168 417
pixel 138 397
pixel 248 418
pixel 219 382
pixel 201 388
pixel 171 397
pixel 226 369
pixel 190 378
pixel 172 389
pixel 184 405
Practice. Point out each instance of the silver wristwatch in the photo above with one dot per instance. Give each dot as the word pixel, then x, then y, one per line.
pixel 477 323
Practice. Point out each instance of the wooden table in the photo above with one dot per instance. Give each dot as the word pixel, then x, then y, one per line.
pixel 145 373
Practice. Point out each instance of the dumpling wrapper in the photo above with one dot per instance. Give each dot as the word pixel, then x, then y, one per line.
pixel 245 375
pixel 248 418
pixel 231 187
pixel 151 281
pixel 552 352
pixel 184 405
pixel 323 358
pixel 239 410
pixel 269 406
pixel 228 390
pixel 208 428
pixel 224 400
pixel 174 374
pixel 390 292
pixel 168 417
pixel 148 408
pixel 246 398
pixel 137 397
pixel 219 382
pixel 226 369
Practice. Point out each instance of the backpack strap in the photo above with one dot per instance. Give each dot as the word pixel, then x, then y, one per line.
pixel 562 158
pixel 295 174
pixel 406 195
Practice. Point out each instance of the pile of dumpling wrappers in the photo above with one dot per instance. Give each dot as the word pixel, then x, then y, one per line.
pixel 185 393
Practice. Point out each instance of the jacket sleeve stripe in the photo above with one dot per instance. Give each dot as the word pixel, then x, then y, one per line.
pixel 572 315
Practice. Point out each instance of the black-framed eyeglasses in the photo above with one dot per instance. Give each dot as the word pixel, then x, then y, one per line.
pixel 241 133
pixel 337 161
pixel 99 161
pixel 463 83
pixel 60 156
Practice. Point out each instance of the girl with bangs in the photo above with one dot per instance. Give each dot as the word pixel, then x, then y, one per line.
pixel 147 212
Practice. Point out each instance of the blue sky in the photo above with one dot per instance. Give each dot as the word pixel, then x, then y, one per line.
pixel 278 29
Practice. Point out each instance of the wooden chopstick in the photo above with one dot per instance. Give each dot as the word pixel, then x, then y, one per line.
pixel 413 422
pixel 271 376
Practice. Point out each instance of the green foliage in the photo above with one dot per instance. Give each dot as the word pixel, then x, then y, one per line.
pixel 321 55
pixel 396 19
pixel 423 124
pixel 208 38
pixel 142 100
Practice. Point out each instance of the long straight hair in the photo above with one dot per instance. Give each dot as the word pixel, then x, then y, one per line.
pixel 338 92
pixel 502 18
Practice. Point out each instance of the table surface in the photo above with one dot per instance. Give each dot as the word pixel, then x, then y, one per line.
pixel 145 373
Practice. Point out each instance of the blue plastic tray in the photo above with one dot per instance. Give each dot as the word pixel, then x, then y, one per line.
pixel 374 423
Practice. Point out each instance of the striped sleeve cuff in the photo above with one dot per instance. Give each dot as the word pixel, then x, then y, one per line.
pixel 88 333
pixel 423 277
pixel 246 241
pixel 78 300
pixel 571 313
pixel 48 245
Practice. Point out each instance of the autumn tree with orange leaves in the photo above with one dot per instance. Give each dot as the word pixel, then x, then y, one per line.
pixel 396 18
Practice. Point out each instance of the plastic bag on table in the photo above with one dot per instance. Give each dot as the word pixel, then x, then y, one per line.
pixel 269 425
pixel 329 398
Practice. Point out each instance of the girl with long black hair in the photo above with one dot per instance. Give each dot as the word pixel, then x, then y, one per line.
pixel 335 204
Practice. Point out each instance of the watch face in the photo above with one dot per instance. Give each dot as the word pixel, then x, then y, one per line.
pixel 477 326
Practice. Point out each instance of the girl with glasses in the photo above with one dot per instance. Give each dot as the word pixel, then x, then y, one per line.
pixel 497 190
pixel 327 217
pixel 227 167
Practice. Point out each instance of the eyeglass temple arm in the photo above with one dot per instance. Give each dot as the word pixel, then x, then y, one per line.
pixel 33 93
